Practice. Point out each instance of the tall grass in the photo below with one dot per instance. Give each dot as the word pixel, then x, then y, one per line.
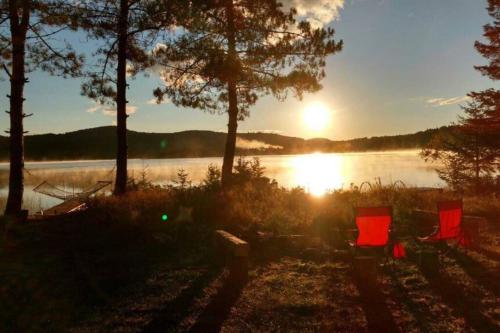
pixel 255 202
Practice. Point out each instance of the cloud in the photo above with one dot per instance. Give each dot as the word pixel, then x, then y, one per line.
pixel 317 12
pixel 93 109
pixel 110 112
pixel 254 144
pixel 152 101
pixel 440 101
pixel 131 109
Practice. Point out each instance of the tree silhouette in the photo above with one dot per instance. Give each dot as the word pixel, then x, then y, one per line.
pixel 27 42
pixel 127 29
pixel 488 102
pixel 231 52
pixel 491 48
pixel 471 151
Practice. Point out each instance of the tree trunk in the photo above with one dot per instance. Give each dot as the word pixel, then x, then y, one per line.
pixel 18 29
pixel 227 165
pixel 477 167
pixel 121 102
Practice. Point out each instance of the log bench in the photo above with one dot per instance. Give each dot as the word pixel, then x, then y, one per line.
pixel 233 253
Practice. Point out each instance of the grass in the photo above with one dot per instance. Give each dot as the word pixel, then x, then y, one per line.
pixel 56 273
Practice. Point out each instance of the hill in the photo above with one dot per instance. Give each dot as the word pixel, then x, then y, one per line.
pixel 99 143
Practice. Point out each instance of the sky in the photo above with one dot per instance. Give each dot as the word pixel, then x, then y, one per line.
pixel 406 66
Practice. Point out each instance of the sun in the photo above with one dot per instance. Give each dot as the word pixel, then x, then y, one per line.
pixel 316 116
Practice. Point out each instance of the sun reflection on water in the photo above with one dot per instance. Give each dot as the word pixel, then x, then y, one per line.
pixel 319 173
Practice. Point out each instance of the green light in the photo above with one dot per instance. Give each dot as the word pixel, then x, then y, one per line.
pixel 164 217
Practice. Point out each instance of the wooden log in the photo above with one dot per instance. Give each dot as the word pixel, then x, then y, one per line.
pixel 233 252
pixel 365 270
pixel 291 241
pixel 428 261
pixel 238 247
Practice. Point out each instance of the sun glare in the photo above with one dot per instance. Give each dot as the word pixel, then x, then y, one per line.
pixel 319 173
pixel 316 116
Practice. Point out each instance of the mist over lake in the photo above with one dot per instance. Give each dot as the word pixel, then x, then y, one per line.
pixel 316 173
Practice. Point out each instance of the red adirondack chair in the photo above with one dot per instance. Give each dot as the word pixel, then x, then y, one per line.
pixel 450 224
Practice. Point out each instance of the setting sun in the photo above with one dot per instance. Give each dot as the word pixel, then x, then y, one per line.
pixel 316 116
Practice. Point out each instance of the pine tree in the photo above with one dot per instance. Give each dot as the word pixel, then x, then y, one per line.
pixel 468 160
pixel 231 52
pixel 470 154
pixel 488 101
pixel 27 42
pixel 126 29
pixel 491 49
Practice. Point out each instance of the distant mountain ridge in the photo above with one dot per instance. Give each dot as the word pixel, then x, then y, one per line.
pixel 99 143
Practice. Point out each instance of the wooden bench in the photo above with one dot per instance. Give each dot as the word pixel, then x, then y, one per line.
pixel 233 253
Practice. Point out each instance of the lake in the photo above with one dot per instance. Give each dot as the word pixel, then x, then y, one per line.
pixel 317 173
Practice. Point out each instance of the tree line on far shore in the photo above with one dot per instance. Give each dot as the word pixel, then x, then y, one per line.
pixel 87 144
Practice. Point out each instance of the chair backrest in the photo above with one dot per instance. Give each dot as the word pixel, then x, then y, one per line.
pixel 373 225
pixel 450 219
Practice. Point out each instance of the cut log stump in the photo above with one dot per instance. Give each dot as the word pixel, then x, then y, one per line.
pixel 365 270
pixel 233 253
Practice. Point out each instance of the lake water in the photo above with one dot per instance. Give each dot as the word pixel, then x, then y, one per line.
pixel 316 173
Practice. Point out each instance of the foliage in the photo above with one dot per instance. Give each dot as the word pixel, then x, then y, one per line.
pixel 274 54
pixel 470 154
pixel 255 202
pixel 212 178
pixel 127 29
pixel 44 21
pixel 232 52
pixel 182 180
pixel 27 30
pixel 101 20
pixel 491 48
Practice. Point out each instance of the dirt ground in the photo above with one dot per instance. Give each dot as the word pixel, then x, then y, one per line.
pixel 300 289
